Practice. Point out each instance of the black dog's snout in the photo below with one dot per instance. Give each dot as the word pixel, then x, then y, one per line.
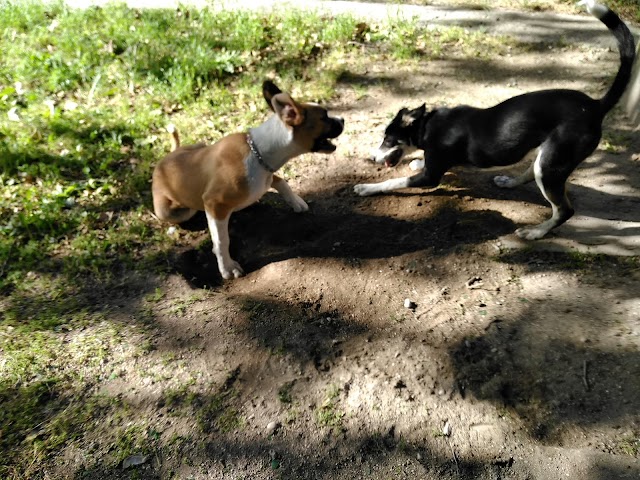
pixel 337 126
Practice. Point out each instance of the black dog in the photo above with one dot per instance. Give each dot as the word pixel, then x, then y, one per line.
pixel 564 125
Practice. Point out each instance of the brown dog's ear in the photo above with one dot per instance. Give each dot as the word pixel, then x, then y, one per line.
pixel 287 109
pixel 270 90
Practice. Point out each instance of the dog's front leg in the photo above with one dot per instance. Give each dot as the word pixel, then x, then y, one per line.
pixel 283 188
pixel 423 179
pixel 367 189
pixel 219 229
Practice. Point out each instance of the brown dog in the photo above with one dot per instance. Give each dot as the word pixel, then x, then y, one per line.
pixel 237 170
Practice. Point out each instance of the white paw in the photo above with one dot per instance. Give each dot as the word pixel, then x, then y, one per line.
pixel 299 205
pixel 364 189
pixel 503 181
pixel 231 270
pixel 531 233
pixel 416 165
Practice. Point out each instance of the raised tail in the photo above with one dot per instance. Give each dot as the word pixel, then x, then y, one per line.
pixel 626 46
pixel 175 136
pixel 632 100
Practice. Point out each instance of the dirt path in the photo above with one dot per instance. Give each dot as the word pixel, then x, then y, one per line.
pixel 311 366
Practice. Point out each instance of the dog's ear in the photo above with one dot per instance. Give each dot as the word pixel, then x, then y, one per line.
pixel 287 109
pixel 409 117
pixel 270 90
pixel 401 112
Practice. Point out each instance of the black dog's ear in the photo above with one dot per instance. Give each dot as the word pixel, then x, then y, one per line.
pixel 270 90
pixel 430 114
pixel 398 118
pixel 409 117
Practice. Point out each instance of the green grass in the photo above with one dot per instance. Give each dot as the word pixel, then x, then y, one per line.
pixel 328 414
pixel 284 393
pixel 84 99
pixel 630 446
pixel 627 9
pixel 216 412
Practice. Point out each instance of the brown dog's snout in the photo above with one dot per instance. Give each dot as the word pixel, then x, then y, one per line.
pixel 323 144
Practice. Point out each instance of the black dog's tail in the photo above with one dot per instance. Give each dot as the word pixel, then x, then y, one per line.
pixel 626 45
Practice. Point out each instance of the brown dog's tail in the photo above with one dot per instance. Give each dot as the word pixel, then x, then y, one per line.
pixel 175 136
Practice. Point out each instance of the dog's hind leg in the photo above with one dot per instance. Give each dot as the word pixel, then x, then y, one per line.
pixel 552 184
pixel 505 181
pixel 167 211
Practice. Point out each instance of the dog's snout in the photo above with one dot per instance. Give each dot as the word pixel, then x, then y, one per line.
pixel 377 155
pixel 337 126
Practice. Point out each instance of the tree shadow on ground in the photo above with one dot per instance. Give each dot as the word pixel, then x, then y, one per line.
pixel 552 391
pixel 561 360
pixel 264 234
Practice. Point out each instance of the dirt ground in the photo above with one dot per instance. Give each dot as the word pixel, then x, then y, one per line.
pixel 529 359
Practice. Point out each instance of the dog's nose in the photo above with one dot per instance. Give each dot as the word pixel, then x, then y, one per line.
pixel 337 127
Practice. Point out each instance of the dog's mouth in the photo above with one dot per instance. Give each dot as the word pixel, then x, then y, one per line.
pixel 323 145
pixel 394 156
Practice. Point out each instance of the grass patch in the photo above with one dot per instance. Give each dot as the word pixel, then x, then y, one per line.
pixel 568 261
pixel 216 414
pixel 328 414
pixel 630 446
pixel 40 418
pixel 284 393
pixel 89 92
pixel 409 39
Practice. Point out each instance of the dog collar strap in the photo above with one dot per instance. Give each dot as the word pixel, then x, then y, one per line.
pixel 256 153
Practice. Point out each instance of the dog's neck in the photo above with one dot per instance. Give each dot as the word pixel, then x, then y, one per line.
pixel 273 144
pixel 417 135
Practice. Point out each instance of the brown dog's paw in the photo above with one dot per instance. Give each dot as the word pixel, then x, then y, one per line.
pixel 233 270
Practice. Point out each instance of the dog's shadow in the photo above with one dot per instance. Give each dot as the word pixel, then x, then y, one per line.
pixel 270 232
